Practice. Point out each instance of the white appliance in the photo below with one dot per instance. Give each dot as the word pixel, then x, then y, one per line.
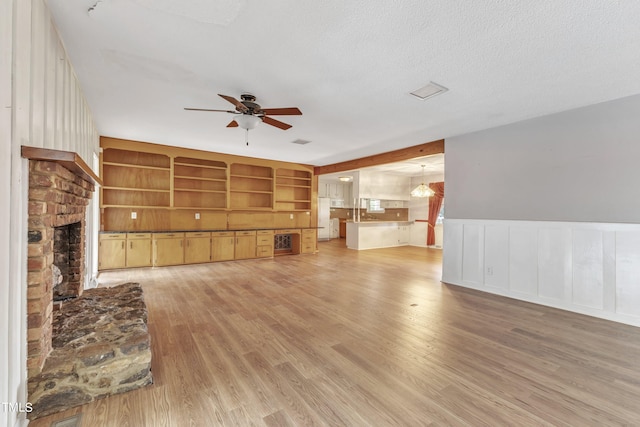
pixel 324 223
pixel 335 228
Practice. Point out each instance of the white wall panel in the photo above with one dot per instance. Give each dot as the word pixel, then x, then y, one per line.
pixel 523 260
pixel 554 263
pixel 628 272
pixel 589 268
pixel 496 256
pixel 473 253
pixel 452 252
pixel 36 82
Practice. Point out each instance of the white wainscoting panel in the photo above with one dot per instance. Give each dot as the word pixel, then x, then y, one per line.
pixel 589 268
pixel 496 258
pixel 523 254
pixel 554 263
pixel 628 272
pixel 452 254
pixel 472 253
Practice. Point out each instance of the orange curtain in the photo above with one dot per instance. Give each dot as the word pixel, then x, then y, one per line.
pixel 435 203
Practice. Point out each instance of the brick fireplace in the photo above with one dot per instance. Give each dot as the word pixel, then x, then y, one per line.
pixel 58 199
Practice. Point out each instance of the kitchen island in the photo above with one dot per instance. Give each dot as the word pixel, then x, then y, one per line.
pixel 377 234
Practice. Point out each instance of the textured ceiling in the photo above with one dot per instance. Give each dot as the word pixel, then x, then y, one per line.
pixel 348 65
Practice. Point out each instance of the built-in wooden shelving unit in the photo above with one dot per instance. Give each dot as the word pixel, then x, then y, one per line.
pixel 167 186
pixel 134 179
pixel 293 190
pixel 251 187
pixel 199 183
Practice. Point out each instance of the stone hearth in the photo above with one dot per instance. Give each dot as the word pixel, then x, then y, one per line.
pixel 101 346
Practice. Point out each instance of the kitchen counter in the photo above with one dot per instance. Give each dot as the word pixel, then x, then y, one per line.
pixel 377 234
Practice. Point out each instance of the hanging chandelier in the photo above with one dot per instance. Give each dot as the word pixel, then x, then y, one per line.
pixel 422 190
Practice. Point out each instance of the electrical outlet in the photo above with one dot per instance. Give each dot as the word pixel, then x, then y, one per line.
pixel 197 215
pixel 489 271
pixel 134 215
pixel 398 214
pixel 290 216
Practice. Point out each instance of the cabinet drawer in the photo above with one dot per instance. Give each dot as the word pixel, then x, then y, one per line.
pixel 137 236
pixel 307 248
pixel 168 235
pixel 264 251
pixel 198 234
pixel 223 234
pixel 308 238
pixel 308 231
pixel 264 240
pixel 289 231
pixel 113 236
pixel 245 233
pixel 265 232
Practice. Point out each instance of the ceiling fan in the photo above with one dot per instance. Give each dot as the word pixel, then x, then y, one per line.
pixel 249 113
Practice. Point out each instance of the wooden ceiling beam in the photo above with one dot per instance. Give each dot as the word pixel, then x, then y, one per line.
pixel 426 149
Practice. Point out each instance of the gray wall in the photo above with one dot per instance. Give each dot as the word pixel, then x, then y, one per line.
pixel 578 165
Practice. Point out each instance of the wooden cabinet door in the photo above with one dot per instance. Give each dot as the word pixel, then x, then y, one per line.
pixel 139 252
pixel 112 254
pixel 197 250
pixel 168 250
pixel 245 247
pixel 223 246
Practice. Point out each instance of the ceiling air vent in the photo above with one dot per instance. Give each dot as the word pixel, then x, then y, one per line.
pixel 429 91
pixel 300 141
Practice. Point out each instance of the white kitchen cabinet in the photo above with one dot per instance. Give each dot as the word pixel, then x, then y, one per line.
pixel 348 195
pixel 323 190
pixel 404 234
pixel 336 191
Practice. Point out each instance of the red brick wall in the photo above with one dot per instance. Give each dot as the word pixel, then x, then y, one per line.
pixel 56 197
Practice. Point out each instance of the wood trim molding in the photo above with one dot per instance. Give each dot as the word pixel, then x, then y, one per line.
pixel 68 159
pixel 426 149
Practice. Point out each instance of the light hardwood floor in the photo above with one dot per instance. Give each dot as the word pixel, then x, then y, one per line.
pixel 369 338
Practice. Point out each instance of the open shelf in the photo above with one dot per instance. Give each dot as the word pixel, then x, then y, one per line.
pixel 134 197
pixel 135 158
pixel 127 176
pixel 199 199
pixel 293 190
pixel 135 179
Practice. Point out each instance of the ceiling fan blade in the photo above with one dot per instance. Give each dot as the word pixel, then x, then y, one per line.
pixel 239 105
pixel 233 124
pixel 292 111
pixel 276 123
pixel 206 109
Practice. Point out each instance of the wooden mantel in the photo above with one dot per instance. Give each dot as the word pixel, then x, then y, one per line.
pixel 68 159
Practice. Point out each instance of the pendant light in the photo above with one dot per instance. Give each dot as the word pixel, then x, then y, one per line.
pixel 422 190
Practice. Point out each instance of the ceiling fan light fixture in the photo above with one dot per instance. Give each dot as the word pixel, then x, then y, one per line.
pixel 247 121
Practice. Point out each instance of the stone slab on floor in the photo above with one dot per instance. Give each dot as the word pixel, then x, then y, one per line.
pixel 101 346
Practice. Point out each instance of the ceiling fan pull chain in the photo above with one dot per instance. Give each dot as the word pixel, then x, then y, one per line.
pixel 246 138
